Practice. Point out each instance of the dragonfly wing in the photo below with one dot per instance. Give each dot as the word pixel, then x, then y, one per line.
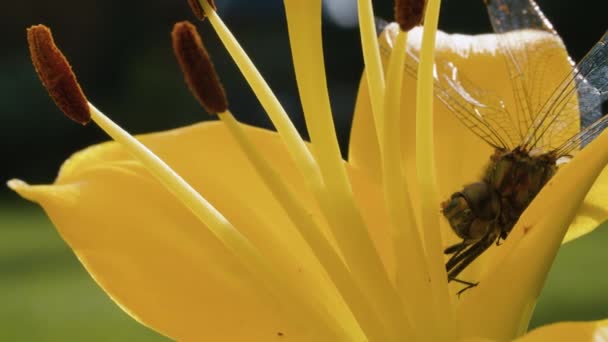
pixel 530 67
pixel 481 111
pixel 590 79
pixel 511 15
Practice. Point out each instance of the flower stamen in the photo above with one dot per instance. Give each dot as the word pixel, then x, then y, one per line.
pixel 56 74
pixel 255 262
pixel 198 10
pixel 295 209
pixel 296 146
pixel 409 13
pixel 348 226
pixel 373 65
pixel 197 68
pixel 367 256
pixel 177 185
pixel 411 269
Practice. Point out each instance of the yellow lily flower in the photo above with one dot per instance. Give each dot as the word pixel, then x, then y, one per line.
pixel 221 231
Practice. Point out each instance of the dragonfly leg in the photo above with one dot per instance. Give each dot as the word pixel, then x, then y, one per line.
pixel 458 263
pixel 456 248
pixel 459 254
pixel 467 284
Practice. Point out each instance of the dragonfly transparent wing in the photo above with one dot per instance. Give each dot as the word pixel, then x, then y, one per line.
pixel 558 119
pixel 481 111
pixel 528 66
pixel 591 80
pixel 511 15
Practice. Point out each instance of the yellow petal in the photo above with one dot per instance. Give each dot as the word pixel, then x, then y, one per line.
pixel 569 331
pixel 162 265
pixel 593 211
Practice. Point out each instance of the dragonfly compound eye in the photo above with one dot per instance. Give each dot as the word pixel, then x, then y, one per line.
pixel 459 214
pixel 482 199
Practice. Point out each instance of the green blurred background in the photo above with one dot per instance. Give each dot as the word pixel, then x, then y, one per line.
pixel 121 52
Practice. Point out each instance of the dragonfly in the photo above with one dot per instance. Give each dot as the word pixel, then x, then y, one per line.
pixel 530 139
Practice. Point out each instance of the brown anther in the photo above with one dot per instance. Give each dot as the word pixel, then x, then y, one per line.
pixel 198 10
pixel 409 13
pixel 197 67
pixel 56 74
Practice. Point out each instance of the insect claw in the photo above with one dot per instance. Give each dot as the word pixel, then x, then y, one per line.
pixel 472 285
pixel 468 285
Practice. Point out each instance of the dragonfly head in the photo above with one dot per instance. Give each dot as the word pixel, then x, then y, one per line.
pixel 472 211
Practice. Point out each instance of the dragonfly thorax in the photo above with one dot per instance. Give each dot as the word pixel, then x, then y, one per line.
pixel 517 177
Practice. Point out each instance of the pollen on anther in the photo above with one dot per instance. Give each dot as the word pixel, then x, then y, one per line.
pixel 409 13
pixel 197 67
pixel 56 74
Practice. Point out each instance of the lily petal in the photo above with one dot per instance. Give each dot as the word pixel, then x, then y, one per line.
pixel 593 211
pixel 569 331
pixel 163 266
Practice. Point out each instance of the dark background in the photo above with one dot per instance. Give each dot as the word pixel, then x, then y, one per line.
pixel 121 53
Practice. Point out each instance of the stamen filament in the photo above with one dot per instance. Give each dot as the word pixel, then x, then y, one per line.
pixel 348 226
pixel 304 160
pixel 311 232
pixel 289 134
pixel 296 146
pixel 237 243
pixel 203 82
pixel 411 270
pixel 373 64
pixel 427 180
pixel 199 206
